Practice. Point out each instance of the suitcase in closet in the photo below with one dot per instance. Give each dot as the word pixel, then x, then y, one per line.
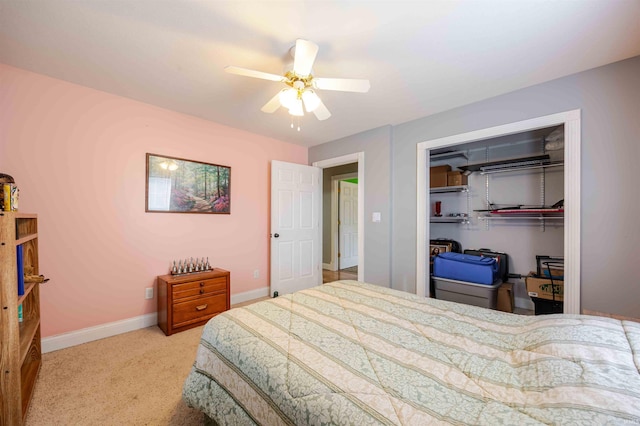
pixel 501 258
pixel 466 267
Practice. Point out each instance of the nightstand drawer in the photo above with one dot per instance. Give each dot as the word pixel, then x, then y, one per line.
pixel 198 309
pixel 190 300
pixel 196 288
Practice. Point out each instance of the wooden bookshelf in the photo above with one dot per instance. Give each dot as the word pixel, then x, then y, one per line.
pixel 20 349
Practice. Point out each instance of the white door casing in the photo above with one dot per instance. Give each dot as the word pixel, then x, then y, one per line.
pixel 348 213
pixel 295 227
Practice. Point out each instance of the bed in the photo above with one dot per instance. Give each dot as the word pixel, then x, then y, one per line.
pixel 353 353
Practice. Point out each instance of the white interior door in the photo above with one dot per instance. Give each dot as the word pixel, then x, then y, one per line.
pixel 348 216
pixel 295 227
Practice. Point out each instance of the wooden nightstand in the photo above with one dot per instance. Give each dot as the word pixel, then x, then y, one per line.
pixel 187 301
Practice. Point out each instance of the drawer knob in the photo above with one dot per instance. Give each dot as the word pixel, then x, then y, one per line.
pixel 201 290
pixel 201 307
pixel 201 284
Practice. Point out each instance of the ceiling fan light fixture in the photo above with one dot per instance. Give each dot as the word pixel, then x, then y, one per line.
pixel 296 109
pixel 300 95
pixel 288 98
pixel 311 100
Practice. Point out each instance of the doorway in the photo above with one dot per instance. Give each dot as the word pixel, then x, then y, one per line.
pixel 330 240
pixel 338 232
pixel 571 122
pixel 340 224
pixel 348 225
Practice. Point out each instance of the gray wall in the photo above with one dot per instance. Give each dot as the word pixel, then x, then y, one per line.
pixel 376 145
pixel 609 100
pixel 327 174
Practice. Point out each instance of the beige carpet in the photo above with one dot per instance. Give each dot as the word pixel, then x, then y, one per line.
pixel 134 378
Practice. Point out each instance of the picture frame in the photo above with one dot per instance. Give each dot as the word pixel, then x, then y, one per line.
pixel 435 249
pixel 177 185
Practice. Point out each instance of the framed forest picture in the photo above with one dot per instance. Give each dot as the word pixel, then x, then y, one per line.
pixel 176 185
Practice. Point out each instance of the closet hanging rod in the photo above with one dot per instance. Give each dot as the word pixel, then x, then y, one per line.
pixel 540 166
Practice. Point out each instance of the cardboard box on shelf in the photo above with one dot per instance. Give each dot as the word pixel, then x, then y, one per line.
pixel 438 176
pixel 456 178
pixel 541 288
pixel 505 298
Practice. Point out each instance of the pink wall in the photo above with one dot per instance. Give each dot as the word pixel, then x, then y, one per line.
pixel 78 157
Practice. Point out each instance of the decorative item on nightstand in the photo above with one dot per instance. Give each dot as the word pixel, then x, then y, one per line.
pixel 190 266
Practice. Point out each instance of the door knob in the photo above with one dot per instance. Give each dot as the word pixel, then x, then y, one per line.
pixel 276 235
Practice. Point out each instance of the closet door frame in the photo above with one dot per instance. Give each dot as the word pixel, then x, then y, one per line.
pixel 572 138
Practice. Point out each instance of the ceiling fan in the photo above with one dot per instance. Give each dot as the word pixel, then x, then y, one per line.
pixel 302 84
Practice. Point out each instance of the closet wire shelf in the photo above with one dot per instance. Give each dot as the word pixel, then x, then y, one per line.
pixel 522 217
pixel 519 166
pixel 449 219
pixel 445 189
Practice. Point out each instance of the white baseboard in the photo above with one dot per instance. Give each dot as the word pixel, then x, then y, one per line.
pixel 329 266
pixel 85 335
pixel 249 295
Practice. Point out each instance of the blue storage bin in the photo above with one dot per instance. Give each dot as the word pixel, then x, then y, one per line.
pixel 466 267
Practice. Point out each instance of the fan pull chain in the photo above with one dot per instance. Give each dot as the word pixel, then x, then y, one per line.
pixel 298 124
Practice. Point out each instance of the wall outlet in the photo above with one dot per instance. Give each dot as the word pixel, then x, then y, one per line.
pixel 256 273
pixel 148 293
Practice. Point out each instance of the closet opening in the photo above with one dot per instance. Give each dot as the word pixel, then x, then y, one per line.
pixel 474 209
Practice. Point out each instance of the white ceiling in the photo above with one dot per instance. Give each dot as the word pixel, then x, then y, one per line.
pixel 422 57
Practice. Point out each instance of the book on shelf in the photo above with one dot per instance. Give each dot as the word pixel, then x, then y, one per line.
pixel 20 260
pixel 6 197
pixel 9 195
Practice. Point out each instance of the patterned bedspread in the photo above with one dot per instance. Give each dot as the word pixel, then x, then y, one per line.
pixel 348 353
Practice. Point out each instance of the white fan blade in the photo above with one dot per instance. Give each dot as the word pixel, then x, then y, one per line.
pixel 304 56
pixel 252 73
pixel 272 105
pixel 321 112
pixel 342 84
